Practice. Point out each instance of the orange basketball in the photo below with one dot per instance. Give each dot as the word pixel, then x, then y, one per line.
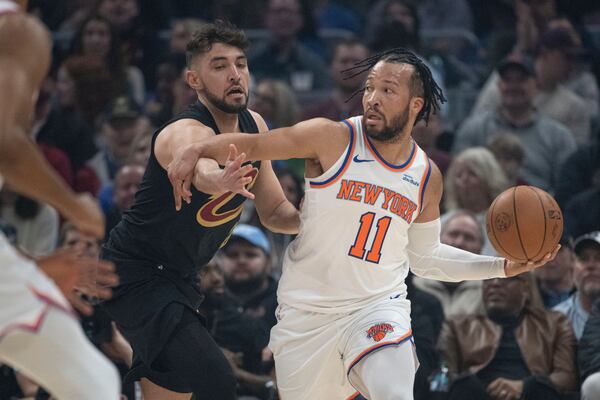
pixel 524 223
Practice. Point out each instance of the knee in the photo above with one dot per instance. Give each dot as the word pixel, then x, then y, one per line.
pixel 590 390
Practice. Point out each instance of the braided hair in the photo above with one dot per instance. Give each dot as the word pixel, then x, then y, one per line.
pixel 422 83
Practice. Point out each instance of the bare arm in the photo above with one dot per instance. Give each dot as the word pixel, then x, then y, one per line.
pixel 318 139
pixel 276 213
pixel 433 260
pixel 208 177
pixel 24 65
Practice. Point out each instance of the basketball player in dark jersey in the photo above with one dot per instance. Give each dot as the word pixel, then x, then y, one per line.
pixel 158 250
pixel 39 334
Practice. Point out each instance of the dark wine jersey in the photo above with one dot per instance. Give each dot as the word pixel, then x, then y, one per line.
pixel 184 240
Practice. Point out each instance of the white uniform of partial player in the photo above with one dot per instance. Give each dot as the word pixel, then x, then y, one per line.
pixel 40 334
pixel 342 293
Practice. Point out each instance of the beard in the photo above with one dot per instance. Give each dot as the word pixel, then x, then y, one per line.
pixel 247 285
pixel 222 104
pixel 390 132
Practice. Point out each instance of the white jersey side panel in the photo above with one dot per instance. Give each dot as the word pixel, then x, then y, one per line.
pixel 351 249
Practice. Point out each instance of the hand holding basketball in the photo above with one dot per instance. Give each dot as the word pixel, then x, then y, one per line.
pixel 524 224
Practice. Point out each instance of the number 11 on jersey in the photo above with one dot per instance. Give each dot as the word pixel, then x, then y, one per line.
pixel 366 223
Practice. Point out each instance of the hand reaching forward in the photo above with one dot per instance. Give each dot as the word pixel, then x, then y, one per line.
pixel 232 178
pixel 75 275
pixel 512 268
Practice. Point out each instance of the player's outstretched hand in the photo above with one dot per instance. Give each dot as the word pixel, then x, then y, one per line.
pixel 233 177
pixel 181 172
pixel 87 216
pixel 75 275
pixel 514 268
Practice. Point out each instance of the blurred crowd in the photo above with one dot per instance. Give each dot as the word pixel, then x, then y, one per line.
pixel 521 79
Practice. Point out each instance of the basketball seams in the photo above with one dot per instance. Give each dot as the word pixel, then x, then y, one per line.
pixel 493 230
pixel 514 196
pixel 545 222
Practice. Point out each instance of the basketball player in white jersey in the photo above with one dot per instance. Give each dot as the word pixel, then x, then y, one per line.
pixel 39 331
pixel 371 212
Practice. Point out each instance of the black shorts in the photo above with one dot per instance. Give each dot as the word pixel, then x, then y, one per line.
pixel 171 345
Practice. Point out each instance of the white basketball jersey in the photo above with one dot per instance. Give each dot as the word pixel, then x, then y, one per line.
pixel 351 249
pixel 8 6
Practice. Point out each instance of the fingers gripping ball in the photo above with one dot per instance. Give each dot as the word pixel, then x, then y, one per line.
pixel 524 223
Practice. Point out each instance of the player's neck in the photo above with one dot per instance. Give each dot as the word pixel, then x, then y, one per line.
pixel 226 122
pixel 396 151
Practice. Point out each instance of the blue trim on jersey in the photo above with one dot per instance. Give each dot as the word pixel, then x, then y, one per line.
pixel 346 159
pixel 387 163
pixel 375 349
pixel 425 185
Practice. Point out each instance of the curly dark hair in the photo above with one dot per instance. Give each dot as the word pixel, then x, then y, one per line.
pixel 422 83
pixel 217 32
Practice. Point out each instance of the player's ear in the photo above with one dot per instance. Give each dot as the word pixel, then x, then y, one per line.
pixel 193 79
pixel 416 104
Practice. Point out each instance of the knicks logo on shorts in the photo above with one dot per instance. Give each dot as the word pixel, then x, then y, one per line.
pixel 378 332
pixel 209 215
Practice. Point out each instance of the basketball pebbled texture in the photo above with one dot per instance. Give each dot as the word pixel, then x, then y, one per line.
pixel 524 223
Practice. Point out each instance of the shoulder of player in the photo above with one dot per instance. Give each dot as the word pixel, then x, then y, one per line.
pixel 185 128
pixel 435 185
pixel 260 121
pixel 28 30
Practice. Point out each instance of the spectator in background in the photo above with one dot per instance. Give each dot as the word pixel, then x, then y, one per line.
pixel 123 122
pixel 445 14
pixel 98 328
pixel 513 350
pixel 556 60
pixel 276 102
pixel 330 14
pixel 77 78
pixel 555 280
pixel 65 138
pixel 342 102
pixel 587 280
pixel 283 56
pixel 510 154
pixel 426 134
pixel 580 171
pixel 246 266
pixel 138 40
pixel 160 106
pixel 127 182
pixel 427 317
pixel 97 38
pixel 395 23
pixel 582 213
pixel 546 142
pixel 183 94
pixel 139 152
pixel 181 33
pixel 36 224
pixel 589 356
pixel 460 229
pixel 243 13
pixel 472 182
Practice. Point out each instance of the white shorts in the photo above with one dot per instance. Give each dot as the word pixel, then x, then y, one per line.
pixel 314 353
pixel 26 294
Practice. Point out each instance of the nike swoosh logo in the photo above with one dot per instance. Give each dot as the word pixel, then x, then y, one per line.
pixel 358 160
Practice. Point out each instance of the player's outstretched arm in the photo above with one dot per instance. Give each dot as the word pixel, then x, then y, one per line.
pixel 307 139
pixel 24 65
pixel 208 176
pixel 276 213
pixel 429 258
